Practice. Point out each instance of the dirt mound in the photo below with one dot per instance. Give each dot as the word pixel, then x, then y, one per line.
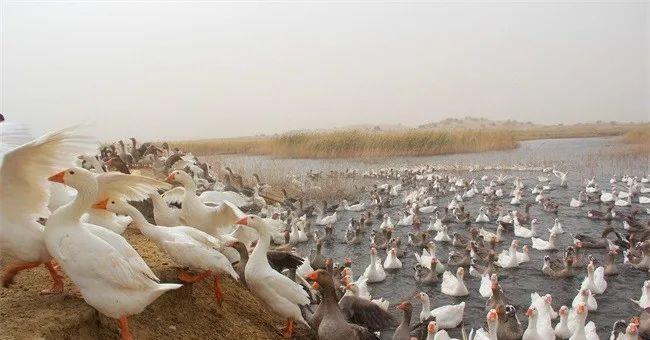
pixel 189 312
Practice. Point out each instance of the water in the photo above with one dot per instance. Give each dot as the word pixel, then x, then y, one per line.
pixel 582 158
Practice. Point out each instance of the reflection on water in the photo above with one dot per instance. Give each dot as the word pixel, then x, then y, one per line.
pixel 581 158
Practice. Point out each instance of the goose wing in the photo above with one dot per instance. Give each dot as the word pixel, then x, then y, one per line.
pixel 24 171
pixel 128 187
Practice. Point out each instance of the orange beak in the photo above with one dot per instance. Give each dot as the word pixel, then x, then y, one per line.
pixel 529 312
pixel 241 221
pixel 101 204
pixel 170 178
pixel 58 178
pixel 402 306
pixel 109 162
pixel 313 276
pixel 315 285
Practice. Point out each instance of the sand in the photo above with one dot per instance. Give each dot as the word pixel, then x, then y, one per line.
pixel 190 312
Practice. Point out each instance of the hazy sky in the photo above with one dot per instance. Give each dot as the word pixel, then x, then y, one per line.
pixel 196 69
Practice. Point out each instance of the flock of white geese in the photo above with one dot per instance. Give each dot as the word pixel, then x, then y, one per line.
pixel 61 208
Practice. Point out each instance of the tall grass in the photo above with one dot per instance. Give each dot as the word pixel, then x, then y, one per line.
pixel 637 136
pixel 359 144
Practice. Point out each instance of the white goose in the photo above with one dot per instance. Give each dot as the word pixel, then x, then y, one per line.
pixel 110 274
pixel 434 334
pixel 482 217
pixel 585 297
pixel 582 331
pixel 406 220
pixel 325 220
pixel 205 218
pixel 436 224
pixel 576 203
pixel 508 259
pixel 355 207
pixel 531 332
pixel 386 223
pixel 525 232
pixel 374 272
pixel 163 214
pixel 428 254
pixel 29 163
pixel 561 330
pixel 644 300
pixel 443 235
pixel 447 317
pixel 454 285
pixel 488 235
pixel 540 244
pixel 595 280
pixel 487 281
pixel 187 246
pixel 557 227
pixel 623 202
pixel 491 334
pixel 392 262
pixel 280 293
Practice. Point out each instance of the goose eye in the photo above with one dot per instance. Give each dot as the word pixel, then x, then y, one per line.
pixel 112 202
pixel 71 172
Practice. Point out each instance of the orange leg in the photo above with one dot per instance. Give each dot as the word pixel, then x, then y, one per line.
pixel 189 278
pixel 57 286
pixel 11 272
pixel 125 333
pixel 217 289
pixel 287 332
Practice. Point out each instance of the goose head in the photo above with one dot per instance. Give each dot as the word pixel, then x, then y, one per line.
pixel 75 178
pixel 181 177
pixel 432 328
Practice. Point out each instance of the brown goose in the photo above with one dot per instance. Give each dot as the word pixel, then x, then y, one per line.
pixel 332 324
pixel 403 331
pixel 118 164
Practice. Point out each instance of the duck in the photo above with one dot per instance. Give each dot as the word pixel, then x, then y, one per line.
pixel 110 274
pixel 492 318
pixel 524 232
pixel 187 246
pixel 392 262
pixel 644 300
pixel 209 219
pixel 22 235
pixel 561 330
pixel 333 324
pixel 374 272
pixel 540 244
pixel 277 291
pixel 595 280
pixel 454 285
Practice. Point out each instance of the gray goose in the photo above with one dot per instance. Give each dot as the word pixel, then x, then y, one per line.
pixel 403 331
pixel 332 324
